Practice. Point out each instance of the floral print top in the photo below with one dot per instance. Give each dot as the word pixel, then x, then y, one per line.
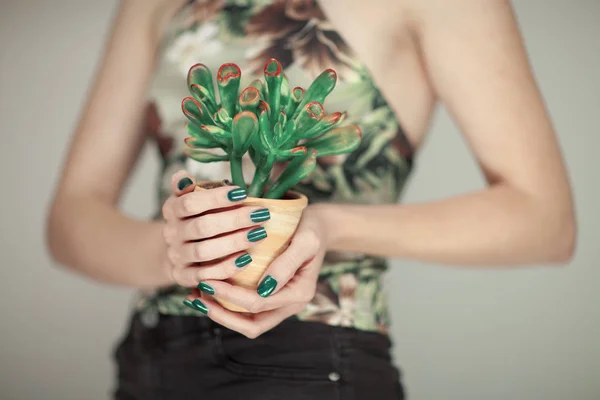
pixel 295 32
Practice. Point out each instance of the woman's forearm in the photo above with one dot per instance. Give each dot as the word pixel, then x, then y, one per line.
pixel 96 240
pixel 496 226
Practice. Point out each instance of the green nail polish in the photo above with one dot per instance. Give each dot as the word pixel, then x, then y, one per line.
pixel 184 182
pixel 198 305
pixel 206 288
pixel 243 260
pixel 237 194
pixel 257 234
pixel 260 215
pixel 189 303
pixel 267 286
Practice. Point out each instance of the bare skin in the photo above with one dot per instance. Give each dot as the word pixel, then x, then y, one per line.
pixel 467 55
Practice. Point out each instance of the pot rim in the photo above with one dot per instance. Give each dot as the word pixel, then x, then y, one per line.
pixel 292 195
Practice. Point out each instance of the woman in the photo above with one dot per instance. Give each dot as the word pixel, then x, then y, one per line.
pixel 318 327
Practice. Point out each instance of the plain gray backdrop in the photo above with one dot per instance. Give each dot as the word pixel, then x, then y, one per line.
pixel 525 334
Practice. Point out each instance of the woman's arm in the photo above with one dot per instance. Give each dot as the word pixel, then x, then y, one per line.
pixel 85 229
pixel 478 66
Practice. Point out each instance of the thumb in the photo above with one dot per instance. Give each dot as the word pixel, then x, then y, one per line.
pixel 182 182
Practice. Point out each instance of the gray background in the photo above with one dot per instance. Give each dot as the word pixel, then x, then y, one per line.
pixel 519 334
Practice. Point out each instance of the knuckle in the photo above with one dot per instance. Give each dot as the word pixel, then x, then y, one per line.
pixel 198 252
pixel 187 204
pixel 166 208
pixel 176 275
pixel 241 218
pixel 239 241
pixel 307 295
pixel 311 240
pixel 196 228
pixel 256 306
pixel 253 332
pixel 210 225
pixel 173 255
pixel 209 201
pixel 166 233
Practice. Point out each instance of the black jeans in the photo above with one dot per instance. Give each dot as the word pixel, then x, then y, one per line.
pixel 194 358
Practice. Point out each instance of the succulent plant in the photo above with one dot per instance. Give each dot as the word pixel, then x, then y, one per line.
pixel 268 120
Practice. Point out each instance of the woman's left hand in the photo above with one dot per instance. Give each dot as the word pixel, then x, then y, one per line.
pixel 287 286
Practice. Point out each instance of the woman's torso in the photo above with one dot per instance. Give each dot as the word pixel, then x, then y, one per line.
pixel 381 85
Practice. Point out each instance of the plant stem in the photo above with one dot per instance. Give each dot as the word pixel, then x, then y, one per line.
pixel 261 177
pixel 237 175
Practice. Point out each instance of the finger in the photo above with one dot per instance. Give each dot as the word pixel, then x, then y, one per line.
pixel 198 202
pixel 246 298
pixel 303 247
pixel 219 247
pixel 182 182
pixel 225 268
pixel 251 326
pixel 299 290
pixel 213 224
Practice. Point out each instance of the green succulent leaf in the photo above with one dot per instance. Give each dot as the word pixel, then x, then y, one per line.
pixel 203 96
pixel 217 134
pixel 327 123
pixel 205 156
pixel 265 132
pixel 337 141
pixel 279 133
pixel 222 117
pixel 308 117
pixel 274 78
pixel 192 109
pixel 285 92
pixel 319 89
pixel 295 98
pixel 249 99
pixel 297 170
pixel 199 139
pixel 228 81
pixel 262 89
pixel 244 127
pixel 201 75
pixel 286 155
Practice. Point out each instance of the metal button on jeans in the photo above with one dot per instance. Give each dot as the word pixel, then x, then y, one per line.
pixel 149 318
pixel 334 376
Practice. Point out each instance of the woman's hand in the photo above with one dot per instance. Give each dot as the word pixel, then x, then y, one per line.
pixel 287 286
pixel 210 227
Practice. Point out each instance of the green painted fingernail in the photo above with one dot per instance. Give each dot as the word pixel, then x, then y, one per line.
pixel 237 194
pixel 184 182
pixel 260 215
pixel 206 288
pixel 243 260
pixel 189 303
pixel 257 234
pixel 267 286
pixel 198 305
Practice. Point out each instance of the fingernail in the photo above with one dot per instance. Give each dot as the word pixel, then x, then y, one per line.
pixel 267 286
pixel 243 260
pixel 257 234
pixel 183 183
pixel 237 194
pixel 206 288
pixel 260 215
pixel 189 303
pixel 198 305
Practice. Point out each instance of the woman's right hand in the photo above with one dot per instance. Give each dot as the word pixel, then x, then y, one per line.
pixel 208 232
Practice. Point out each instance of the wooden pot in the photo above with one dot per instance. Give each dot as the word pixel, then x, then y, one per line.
pixel 285 216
